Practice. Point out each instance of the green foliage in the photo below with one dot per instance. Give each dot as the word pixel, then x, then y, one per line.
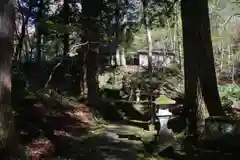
pixel 169 84
pixel 229 92
pixel 160 12
pixel 111 79
pixel 55 27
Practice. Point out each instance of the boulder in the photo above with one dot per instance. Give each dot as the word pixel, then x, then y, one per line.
pixel 222 132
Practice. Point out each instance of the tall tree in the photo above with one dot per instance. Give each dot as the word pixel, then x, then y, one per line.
pixel 117 19
pixel 39 31
pixel 66 11
pixel 208 80
pixel 91 26
pixel 6 43
pixel 190 41
pixel 199 66
pixel 148 31
pixel 120 54
pixel 25 20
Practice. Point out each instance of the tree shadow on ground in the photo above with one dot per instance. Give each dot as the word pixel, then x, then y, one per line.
pixel 50 130
pixel 96 147
pixel 38 121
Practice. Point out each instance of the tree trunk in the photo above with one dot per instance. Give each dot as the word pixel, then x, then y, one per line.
pixel 123 57
pixel 81 78
pixel 230 62
pixel 197 48
pixel 113 63
pixel 201 113
pixel 7 136
pixel 23 32
pixel 20 40
pixel 177 42
pixel 208 80
pixel 222 56
pixel 92 35
pixel 39 55
pixel 39 33
pixel 118 50
pixel 149 34
pixel 117 56
pixel 66 11
pixel 26 50
pixel 190 66
pixel 150 62
pixel 92 77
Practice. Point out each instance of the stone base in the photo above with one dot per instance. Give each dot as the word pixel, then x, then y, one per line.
pixel 222 131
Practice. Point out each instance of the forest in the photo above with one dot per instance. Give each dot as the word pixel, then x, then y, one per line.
pixel 119 79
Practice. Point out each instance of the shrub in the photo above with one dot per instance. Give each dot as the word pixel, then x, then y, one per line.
pixel 229 92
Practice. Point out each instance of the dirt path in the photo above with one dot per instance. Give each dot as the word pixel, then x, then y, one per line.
pixel 103 145
pixel 61 132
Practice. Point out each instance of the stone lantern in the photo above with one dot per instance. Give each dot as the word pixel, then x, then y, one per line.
pixel 163 114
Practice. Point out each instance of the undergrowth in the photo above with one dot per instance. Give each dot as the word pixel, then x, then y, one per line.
pixel 229 92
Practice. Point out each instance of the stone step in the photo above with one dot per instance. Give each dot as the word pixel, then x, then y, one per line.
pixel 129 137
